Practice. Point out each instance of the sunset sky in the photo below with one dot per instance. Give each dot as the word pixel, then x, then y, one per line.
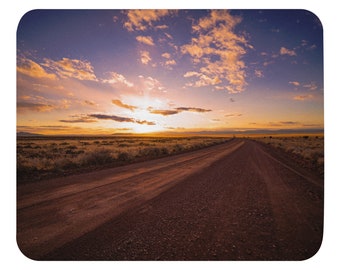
pixel 127 71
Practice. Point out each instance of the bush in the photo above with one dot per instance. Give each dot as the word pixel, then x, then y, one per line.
pixel 97 157
pixel 123 156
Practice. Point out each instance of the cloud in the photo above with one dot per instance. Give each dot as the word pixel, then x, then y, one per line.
pixel 118 78
pixel 192 109
pixel 145 57
pixel 218 50
pixel 295 83
pixel 285 51
pixel 146 40
pixel 289 123
pixel 144 122
pixel 170 62
pixel 177 110
pixel 71 68
pixel 33 69
pixel 40 104
pixel 258 73
pixel 89 102
pixel 149 84
pixel 119 103
pixel 163 112
pixel 191 73
pixel 120 119
pixel 79 119
pixel 303 97
pixel 311 86
pixel 233 115
pixel 112 117
pixel 37 107
pixel 162 27
pixel 141 20
pixel 166 55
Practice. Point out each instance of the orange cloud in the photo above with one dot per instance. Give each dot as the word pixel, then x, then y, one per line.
pixel 303 97
pixel 33 69
pixel 146 40
pixel 38 107
pixel 166 55
pixel 71 68
pixel 216 38
pixel 118 78
pixel 285 51
pixel 145 57
pixel 118 103
pixel 79 119
pixel 141 20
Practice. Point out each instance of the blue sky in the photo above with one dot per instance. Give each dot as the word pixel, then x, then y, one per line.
pixel 109 71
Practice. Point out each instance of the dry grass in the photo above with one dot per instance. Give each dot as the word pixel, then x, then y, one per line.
pixel 42 157
pixel 310 148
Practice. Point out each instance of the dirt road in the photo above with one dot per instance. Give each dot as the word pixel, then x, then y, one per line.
pixel 235 201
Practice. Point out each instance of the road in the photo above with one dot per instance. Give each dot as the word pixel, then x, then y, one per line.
pixel 235 201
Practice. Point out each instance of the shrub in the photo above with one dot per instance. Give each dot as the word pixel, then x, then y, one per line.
pixel 123 156
pixel 97 157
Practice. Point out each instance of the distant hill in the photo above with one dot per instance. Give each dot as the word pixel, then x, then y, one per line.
pixel 27 134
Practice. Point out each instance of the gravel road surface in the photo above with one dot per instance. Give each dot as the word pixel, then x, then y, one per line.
pixel 237 201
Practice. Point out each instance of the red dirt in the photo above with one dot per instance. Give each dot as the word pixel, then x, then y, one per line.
pixel 236 201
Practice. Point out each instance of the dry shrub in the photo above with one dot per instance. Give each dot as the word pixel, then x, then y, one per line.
pixel 97 157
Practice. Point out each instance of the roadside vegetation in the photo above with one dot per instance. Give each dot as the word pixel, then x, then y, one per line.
pixel 46 157
pixel 307 150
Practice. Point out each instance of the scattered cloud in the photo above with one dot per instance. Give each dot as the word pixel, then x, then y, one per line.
pixel 141 20
pixel 119 103
pixel 303 97
pixel 191 73
pixel 219 50
pixel 30 68
pixel 258 73
pixel 163 112
pixel 233 115
pixel 162 27
pixel 71 68
pixel 166 55
pixel 289 122
pixel 117 78
pixel 144 122
pixel 285 51
pixel 311 86
pixel 177 110
pixel 145 57
pixel 89 103
pixel 79 119
pixel 111 117
pixel 37 107
pixel 149 84
pixel 295 83
pixel 192 109
pixel 306 44
pixel 120 119
pixel 40 104
pixel 146 40
pixel 171 62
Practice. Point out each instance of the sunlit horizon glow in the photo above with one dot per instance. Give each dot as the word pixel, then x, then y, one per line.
pixel 141 71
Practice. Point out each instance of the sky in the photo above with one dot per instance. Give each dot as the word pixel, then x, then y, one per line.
pixel 140 71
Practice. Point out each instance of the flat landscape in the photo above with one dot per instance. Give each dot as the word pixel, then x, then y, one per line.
pixel 236 199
